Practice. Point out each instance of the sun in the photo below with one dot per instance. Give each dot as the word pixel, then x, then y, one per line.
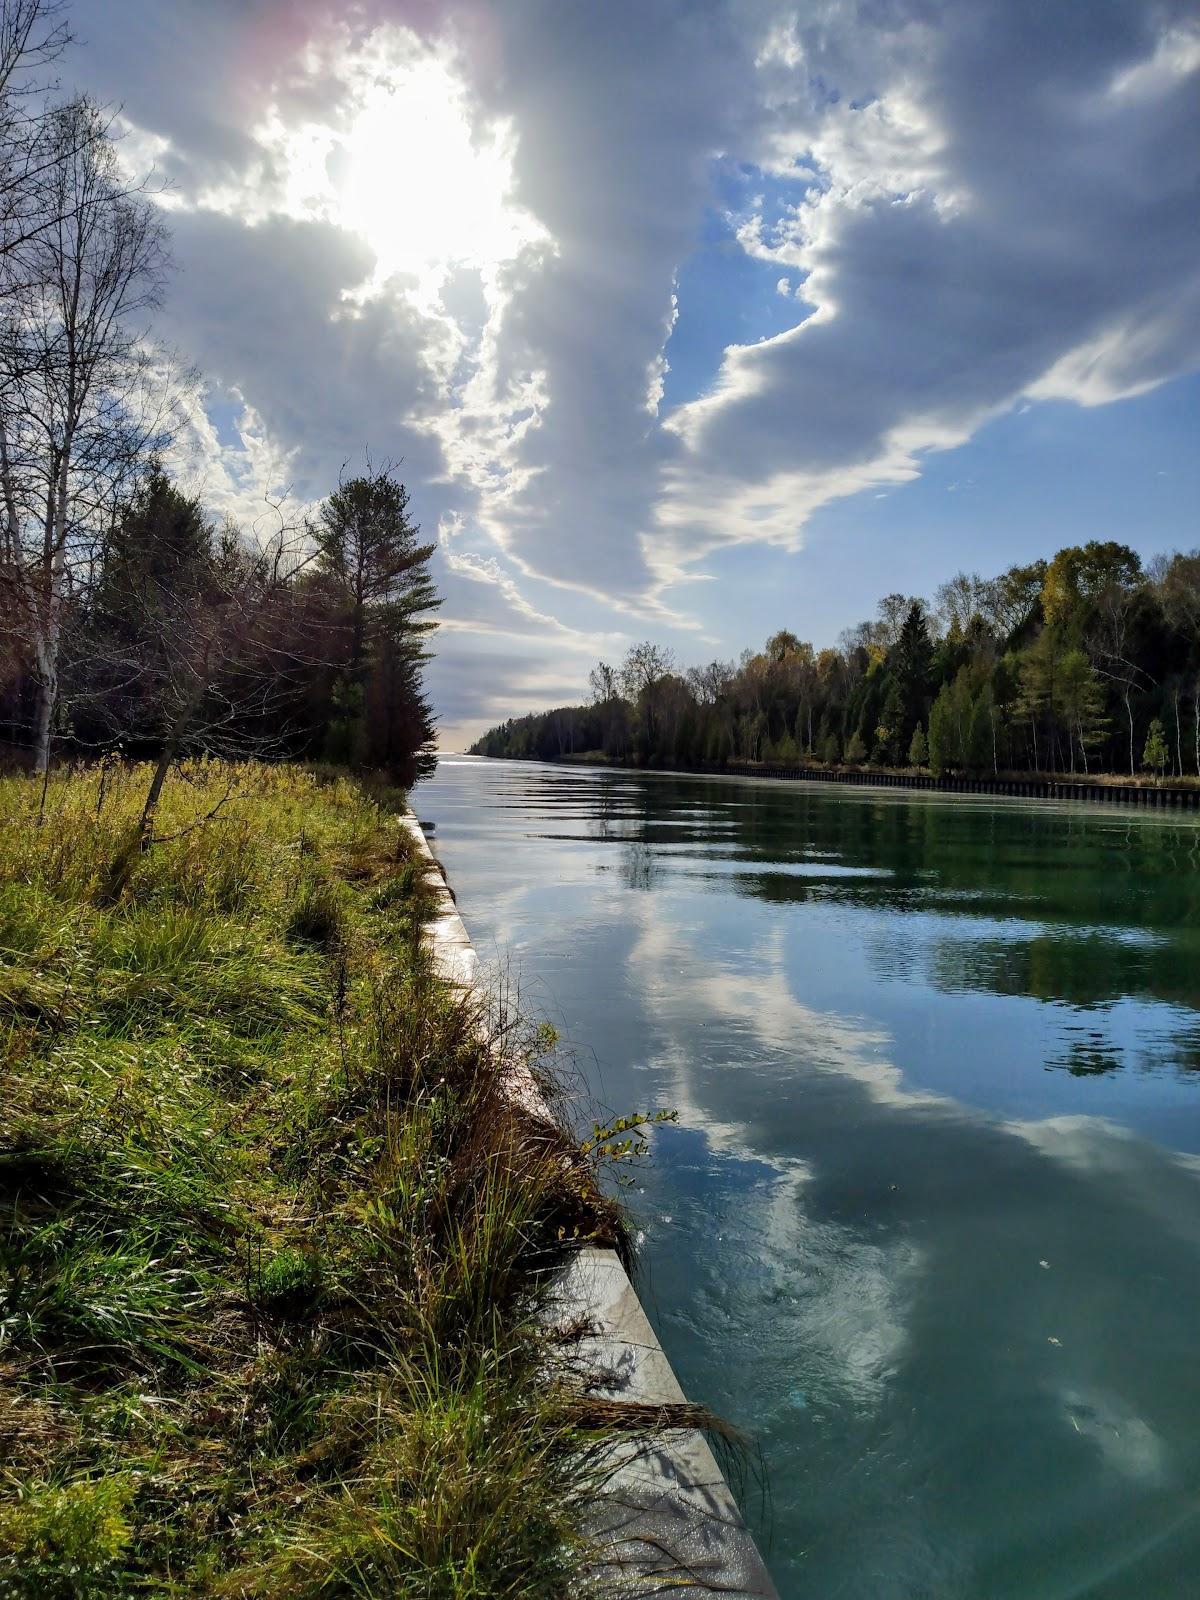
pixel 402 161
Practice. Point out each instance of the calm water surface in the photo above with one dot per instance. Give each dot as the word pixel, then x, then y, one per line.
pixel 929 1225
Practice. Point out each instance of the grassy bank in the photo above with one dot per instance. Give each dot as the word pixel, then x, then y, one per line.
pixel 273 1236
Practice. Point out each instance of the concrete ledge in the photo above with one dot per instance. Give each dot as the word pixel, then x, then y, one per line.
pixel 667 1522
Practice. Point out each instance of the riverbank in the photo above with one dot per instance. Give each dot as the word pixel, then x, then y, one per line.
pixel 279 1242
pixel 1106 789
pixel 663 1516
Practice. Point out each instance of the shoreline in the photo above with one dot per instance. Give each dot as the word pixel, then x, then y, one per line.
pixel 667 1507
pixel 1106 790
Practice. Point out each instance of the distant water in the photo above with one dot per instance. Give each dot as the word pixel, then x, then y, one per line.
pixel 929 1226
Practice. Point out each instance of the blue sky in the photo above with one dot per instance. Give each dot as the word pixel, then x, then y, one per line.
pixel 548 256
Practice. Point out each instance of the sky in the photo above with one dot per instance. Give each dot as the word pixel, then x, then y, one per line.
pixel 685 319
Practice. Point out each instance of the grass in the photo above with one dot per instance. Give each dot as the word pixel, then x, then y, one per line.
pixel 274 1238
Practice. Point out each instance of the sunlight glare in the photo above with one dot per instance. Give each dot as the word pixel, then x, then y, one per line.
pixel 402 165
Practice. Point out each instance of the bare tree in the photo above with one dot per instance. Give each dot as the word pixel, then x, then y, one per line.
pixel 712 682
pixel 643 672
pixel 959 599
pixel 32 36
pixel 80 401
pixel 214 637
pixel 602 682
pixel 1112 644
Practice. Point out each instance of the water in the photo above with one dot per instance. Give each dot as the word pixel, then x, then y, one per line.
pixel 928 1228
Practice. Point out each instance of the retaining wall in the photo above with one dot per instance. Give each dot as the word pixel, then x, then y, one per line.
pixel 668 1522
pixel 1030 788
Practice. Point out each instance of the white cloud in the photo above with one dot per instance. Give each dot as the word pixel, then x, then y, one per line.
pixel 962 249
pixel 458 237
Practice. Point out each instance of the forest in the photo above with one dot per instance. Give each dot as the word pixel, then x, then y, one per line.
pixel 1088 662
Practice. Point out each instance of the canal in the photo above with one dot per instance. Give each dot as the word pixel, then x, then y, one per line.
pixel 928 1226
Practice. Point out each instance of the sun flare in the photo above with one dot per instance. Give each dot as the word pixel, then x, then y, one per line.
pixel 402 162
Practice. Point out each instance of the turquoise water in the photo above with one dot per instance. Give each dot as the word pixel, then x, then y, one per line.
pixel 928 1228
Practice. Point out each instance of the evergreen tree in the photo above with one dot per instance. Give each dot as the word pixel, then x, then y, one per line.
pixel 856 751
pixel 155 563
pixel 378 575
pixel 912 665
pixel 918 750
pixel 890 731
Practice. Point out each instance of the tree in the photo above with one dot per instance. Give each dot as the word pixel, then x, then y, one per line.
pixel 1038 702
pixel 891 611
pixel 959 599
pixel 643 672
pixel 950 725
pixel 1010 602
pixel 1178 582
pixel 918 750
pixel 912 661
pixel 206 631
pixel 158 550
pixel 367 546
pixel 890 729
pixel 1156 755
pixel 856 751
pixel 377 572
pixel 981 738
pixel 1079 697
pixel 32 36
pixel 1114 643
pixel 602 681
pixel 781 645
pixel 1080 574
pixel 77 414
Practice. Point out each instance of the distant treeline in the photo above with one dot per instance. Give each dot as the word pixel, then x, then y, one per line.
pixel 1089 662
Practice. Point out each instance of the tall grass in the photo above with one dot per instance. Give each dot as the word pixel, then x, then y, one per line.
pixel 274 1236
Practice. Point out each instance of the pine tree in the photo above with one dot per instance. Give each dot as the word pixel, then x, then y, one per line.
pixel 379 577
pixel 918 750
pixel 913 658
pixel 856 751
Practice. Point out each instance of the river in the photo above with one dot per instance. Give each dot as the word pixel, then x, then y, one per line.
pixel 928 1226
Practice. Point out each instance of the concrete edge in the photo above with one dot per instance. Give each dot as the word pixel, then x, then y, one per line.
pixel 667 1521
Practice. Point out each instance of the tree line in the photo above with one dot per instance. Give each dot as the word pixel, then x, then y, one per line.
pixel 1087 663
pixel 131 619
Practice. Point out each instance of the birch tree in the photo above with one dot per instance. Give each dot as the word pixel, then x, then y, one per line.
pixel 32 36
pixel 78 411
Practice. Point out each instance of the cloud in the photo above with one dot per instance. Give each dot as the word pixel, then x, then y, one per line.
pixel 961 249
pixel 458 234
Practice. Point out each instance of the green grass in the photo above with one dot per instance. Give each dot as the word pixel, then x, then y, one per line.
pixel 273 1236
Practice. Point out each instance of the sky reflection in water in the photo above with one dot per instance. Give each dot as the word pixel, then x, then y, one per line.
pixel 929 1225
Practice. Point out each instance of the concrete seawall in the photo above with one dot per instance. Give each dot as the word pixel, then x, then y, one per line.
pixel 668 1522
